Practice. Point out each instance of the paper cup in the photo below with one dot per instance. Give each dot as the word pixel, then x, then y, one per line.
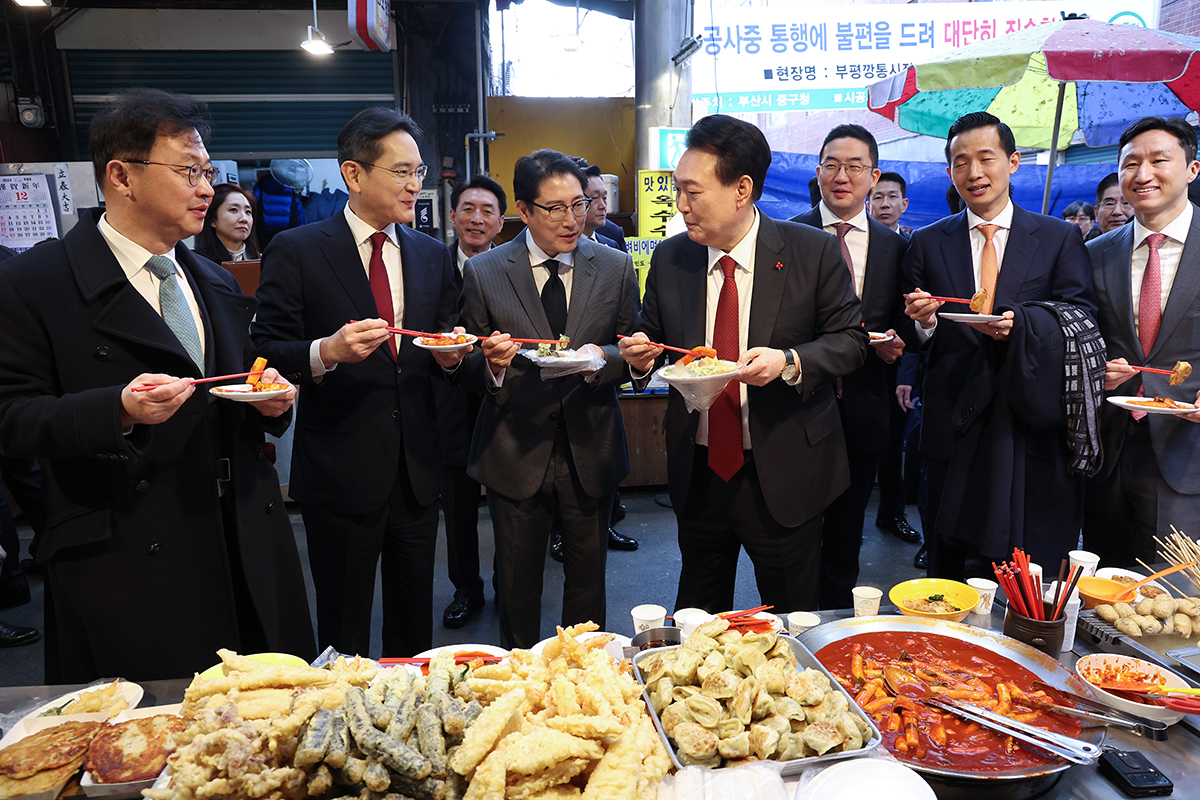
pixel 987 594
pixel 694 619
pixel 866 600
pixel 800 621
pixel 683 613
pixel 648 616
pixel 1082 558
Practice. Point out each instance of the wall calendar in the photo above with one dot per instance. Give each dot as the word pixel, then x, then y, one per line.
pixel 26 211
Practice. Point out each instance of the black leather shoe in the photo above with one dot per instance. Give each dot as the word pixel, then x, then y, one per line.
pixel 464 605
pixel 921 559
pixel 617 541
pixel 899 528
pixel 17 635
pixel 556 548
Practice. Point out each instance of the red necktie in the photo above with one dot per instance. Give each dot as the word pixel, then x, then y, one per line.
pixel 381 288
pixel 725 455
pixel 1150 304
pixel 842 229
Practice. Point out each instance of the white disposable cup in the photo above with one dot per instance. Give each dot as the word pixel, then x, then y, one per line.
pixel 866 600
pixel 1082 558
pixel 800 621
pixel 694 619
pixel 683 613
pixel 647 616
pixel 987 594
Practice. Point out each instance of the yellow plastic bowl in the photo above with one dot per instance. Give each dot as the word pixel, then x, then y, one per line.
pixel 956 594
pixel 1094 591
pixel 275 659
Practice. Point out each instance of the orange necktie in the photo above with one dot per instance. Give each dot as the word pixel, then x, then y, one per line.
pixel 989 266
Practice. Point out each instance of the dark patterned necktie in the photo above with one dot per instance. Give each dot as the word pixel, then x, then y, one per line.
pixel 554 299
pixel 175 310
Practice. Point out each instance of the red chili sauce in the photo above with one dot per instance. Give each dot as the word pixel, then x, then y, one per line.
pixel 922 734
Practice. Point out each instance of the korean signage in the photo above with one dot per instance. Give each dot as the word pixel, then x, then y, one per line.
pixel 655 202
pixel 790 56
pixel 371 23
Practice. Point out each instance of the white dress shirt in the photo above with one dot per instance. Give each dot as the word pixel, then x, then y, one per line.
pixel 133 257
pixel 858 240
pixel 540 274
pixel 361 232
pixel 1169 253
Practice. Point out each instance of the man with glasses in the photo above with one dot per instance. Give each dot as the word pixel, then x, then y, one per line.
pixel 555 447
pixel 847 171
pixel 165 535
pixel 1112 209
pixel 366 468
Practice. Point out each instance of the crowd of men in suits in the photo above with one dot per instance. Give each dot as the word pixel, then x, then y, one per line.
pixel 162 505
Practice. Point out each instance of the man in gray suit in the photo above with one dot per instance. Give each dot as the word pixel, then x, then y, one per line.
pixel 556 447
pixel 1147 278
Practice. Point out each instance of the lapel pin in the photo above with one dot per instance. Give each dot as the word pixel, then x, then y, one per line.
pixel 778 265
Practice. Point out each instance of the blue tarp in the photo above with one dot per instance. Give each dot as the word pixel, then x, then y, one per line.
pixel 785 193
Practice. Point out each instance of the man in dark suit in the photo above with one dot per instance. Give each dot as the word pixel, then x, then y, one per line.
pixel 165 537
pixel 366 464
pixel 1147 281
pixel 757 469
pixel 847 170
pixel 477 215
pixel 552 448
pixel 1018 257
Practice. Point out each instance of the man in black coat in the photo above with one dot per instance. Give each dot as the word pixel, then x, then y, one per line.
pixel 166 537
pixel 847 171
pixel 366 465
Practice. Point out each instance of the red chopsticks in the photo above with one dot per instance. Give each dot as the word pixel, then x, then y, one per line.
pixel 944 299
pixel 200 380
pixel 420 335
pixel 746 622
pixel 664 346
pixel 1076 574
pixel 1153 369
pixel 1019 585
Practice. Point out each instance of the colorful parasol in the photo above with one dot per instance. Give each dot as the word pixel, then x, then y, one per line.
pixel 1049 81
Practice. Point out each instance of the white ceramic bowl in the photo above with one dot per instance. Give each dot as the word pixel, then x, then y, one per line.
pixel 1155 711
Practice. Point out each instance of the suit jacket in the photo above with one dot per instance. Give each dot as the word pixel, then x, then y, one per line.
pixel 515 432
pixel 802 299
pixel 356 425
pixel 607 242
pixel 615 232
pixel 1176 442
pixel 136 535
pixel 1044 259
pixel 868 392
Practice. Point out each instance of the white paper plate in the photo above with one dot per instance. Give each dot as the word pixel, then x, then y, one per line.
pixel 471 340
pixel 490 649
pixel 667 374
pixel 615 648
pixel 1112 572
pixel 1098 660
pixel 567 358
pixel 245 395
pixel 875 340
pixel 867 777
pixel 1127 404
pixel 132 693
pixel 953 317
pixel 120 791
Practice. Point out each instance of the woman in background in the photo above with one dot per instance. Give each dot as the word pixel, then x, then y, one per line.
pixel 228 226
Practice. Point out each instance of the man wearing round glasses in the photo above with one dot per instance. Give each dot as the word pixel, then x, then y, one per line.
pixel 366 464
pixel 166 536
pixel 551 448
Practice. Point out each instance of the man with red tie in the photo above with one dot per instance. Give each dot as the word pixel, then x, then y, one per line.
pixel 758 468
pixel 366 467
pixel 1147 280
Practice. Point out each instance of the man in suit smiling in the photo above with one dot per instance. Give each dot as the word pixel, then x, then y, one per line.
pixel 847 171
pixel 1147 280
pixel 556 447
pixel 758 468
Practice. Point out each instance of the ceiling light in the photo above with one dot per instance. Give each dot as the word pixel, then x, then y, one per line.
pixel 315 43
pixel 42 3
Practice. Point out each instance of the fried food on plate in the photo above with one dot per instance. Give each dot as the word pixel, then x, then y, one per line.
pixel 134 750
pixel 979 301
pixel 47 749
pixel 44 781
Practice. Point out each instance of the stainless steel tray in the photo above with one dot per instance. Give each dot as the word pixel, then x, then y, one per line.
pixel 804 658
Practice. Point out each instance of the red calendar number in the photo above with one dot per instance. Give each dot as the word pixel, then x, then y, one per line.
pixel 22 195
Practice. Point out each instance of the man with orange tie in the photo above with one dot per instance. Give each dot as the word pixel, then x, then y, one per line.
pixel 1009 477
pixel 1147 280
pixel 758 468
pixel 366 465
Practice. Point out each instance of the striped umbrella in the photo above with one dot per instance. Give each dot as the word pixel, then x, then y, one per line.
pixel 1049 81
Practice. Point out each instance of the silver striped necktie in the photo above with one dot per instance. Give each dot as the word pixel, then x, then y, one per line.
pixel 175 309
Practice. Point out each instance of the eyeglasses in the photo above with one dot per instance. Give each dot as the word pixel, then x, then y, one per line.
pixel 193 172
pixel 402 175
pixel 558 212
pixel 832 168
pixel 1077 218
pixel 1110 203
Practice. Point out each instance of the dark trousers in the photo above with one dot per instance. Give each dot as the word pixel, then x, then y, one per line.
pixel 891 465
pixel 718 520
pixel 460 506
pixel 522 529
pixel 12 577
pixel 842 530
pixel 343 551
pixel 1123 512
pixel 947 558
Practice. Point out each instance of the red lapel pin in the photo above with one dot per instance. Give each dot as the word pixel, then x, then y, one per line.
pixel 778 265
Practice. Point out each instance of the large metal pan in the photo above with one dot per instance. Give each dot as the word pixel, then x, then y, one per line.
pixel 952 784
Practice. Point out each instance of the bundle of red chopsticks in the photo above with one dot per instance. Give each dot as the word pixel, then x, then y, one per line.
pixel 746 622
pixel 1024 590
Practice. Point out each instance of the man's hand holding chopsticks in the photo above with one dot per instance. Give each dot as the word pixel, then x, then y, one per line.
pixel 353 342
pixel 639 352
pixel 921 306
pixel 499 350
pixel 156 405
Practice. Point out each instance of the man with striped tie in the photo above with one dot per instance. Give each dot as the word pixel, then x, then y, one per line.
pixel 1147 280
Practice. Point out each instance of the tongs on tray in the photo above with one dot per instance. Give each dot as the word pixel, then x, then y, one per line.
pixel 1101 714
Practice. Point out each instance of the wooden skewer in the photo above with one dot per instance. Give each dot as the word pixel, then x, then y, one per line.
pixel 1152 570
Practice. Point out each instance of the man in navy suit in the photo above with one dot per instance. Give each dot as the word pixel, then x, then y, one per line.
pixel 366 466
pixel 1018 257
pixel 1147 282
pixel 847 171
